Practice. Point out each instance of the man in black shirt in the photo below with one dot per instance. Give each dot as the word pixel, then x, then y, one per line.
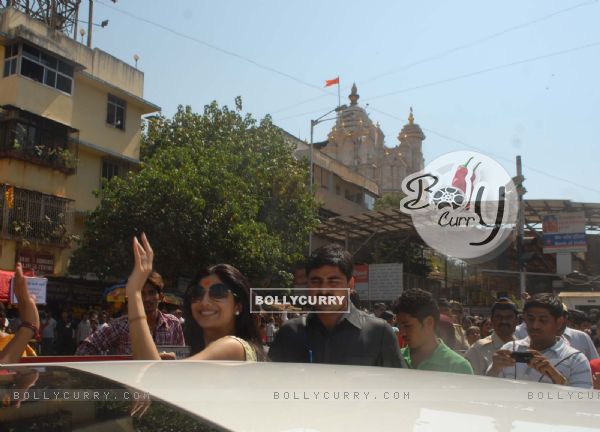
pixel 335 334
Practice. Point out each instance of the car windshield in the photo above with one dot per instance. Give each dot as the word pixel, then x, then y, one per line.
pixel 55 398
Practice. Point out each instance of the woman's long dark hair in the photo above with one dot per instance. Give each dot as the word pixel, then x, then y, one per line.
pixel 246 324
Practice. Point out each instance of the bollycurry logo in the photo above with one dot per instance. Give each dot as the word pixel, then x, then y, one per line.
pixel 463 204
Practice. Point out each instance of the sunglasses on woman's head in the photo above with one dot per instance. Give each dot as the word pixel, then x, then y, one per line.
pixel 215 292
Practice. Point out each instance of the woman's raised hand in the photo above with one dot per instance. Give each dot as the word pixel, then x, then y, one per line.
pixel 27 309
pixel 142 267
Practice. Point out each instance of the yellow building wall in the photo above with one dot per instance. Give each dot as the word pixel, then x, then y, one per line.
pixel 80 187
pixel 29 95
pixel 89 117
pixel 85 111
pixel 26 175
pixel 7 254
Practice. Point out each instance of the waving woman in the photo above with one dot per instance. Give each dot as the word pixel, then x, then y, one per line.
pixel 217 311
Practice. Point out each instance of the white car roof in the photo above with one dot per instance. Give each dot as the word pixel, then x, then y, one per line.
pixel 245 396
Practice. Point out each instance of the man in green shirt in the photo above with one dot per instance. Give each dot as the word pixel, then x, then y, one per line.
pixel 417 314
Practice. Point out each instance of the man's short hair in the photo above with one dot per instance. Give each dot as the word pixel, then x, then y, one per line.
pixel 546 301
pixel 417 303
pixel 387 315
pixel 578 317
pixel 333 255
pixel 504 303
pixel 156 281
pixel 456 307
pixel 443 303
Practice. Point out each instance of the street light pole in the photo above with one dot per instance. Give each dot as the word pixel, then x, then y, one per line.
pixel 313 123
pixel 310 182
pixel 521 231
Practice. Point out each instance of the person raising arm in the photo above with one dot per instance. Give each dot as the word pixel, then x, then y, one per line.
pixel 217 308
pixel 30 320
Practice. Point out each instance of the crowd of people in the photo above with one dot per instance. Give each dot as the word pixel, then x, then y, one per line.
pixel 543 342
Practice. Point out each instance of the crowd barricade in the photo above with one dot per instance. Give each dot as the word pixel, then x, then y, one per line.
pixel 71 359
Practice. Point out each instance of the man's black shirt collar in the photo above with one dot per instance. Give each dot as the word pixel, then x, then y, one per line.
pixel 353 317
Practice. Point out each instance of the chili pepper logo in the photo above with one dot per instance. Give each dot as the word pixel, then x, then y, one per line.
pixel 454 196
pixel 466 210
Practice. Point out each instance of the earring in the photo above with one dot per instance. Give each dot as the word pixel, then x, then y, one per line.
pixel 237 312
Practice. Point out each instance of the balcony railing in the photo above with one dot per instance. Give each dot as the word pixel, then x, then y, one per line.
pixel 33 217
pixel 37 140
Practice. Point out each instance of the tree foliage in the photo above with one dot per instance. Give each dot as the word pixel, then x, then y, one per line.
pixel 213 187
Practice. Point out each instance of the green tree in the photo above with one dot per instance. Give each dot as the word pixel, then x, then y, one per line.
pixel 213 187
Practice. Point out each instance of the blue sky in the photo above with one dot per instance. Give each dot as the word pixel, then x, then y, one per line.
pixel 507 78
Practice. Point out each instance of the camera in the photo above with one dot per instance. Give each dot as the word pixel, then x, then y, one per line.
pixel 522 357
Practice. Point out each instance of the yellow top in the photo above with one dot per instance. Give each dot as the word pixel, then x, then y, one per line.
pixel 5 338
pixel 248 349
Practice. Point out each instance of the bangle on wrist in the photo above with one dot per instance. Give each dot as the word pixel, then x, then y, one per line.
pixel 141 317
pixel 30 326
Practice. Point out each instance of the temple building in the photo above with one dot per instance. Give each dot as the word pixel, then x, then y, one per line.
pixel 358 143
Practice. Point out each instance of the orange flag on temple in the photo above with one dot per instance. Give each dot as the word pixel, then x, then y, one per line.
pixel 331 82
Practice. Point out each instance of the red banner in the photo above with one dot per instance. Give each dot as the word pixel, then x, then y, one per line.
pixel 5 277
pixel 41 264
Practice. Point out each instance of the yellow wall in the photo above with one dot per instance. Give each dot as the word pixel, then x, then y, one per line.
pixel 80 187
pixel 95 61
pixel 7 254
pixel 85 111
pixel 89 117
pixel 26 175
pixel 8 251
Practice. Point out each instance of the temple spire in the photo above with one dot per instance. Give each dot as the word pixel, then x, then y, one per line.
pixel 411 117
pixel 354 96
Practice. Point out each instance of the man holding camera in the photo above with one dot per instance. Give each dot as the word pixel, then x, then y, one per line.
pixel 543 356
pixel 504 320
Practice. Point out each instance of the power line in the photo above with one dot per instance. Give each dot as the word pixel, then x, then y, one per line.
pixel 468 75
pixel 216 48
pixel 480 41
pixel 303 114
pixel 452 50
pixel 485 151
pixel 487 70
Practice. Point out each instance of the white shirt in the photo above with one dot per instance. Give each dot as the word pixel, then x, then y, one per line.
pixel 50 327
pixel 84 329
pixel 569 362
pixel 481 353
pixel 521 331
pixel 581 341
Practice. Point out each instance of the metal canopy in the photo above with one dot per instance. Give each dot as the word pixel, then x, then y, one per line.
pixel 368 224
pixel 364 225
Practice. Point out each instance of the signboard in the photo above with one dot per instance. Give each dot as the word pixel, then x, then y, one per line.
pixel 36 287
pixel 41 264
pixel 361 280
pixel 385 281
pixel 564 232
